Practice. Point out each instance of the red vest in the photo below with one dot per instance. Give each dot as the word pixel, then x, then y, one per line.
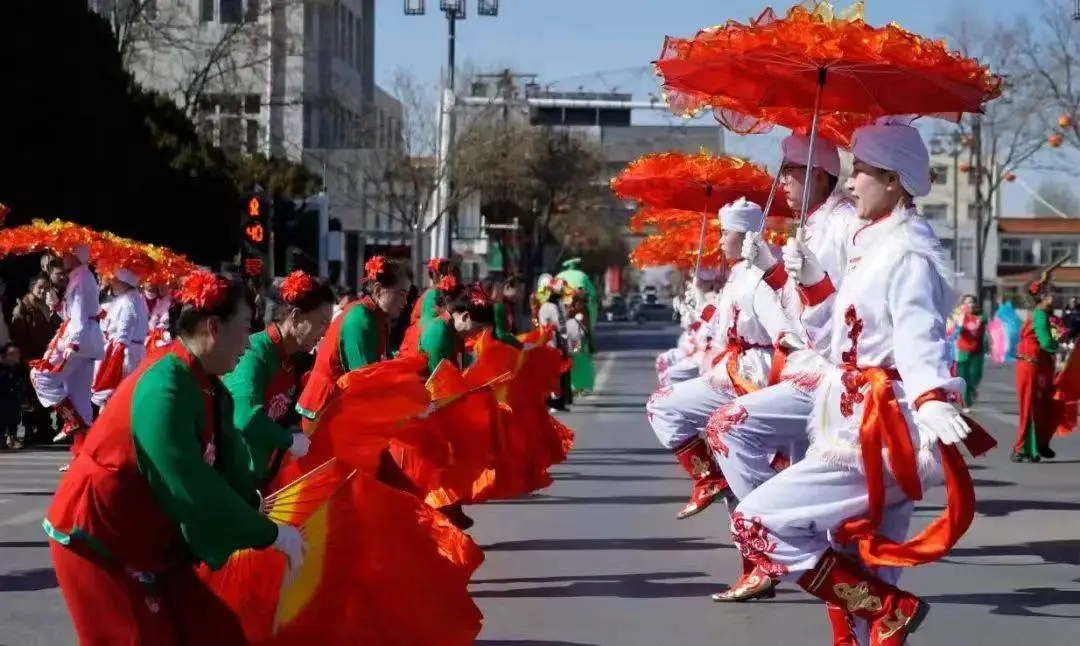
pixel 328 367
pixel 105 498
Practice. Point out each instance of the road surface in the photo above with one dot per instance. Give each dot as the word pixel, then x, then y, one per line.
pixel 599 559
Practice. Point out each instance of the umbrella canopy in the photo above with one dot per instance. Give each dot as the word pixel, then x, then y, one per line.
pixel 777 62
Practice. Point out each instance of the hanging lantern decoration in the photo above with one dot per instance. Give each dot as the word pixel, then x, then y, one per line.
pixel 964 168
pixel 1054 140
pixel 1010 177
pixel 1065 121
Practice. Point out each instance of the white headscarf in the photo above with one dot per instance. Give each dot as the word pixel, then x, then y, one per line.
pixel 797 151
pixel 741 215
pixel 893 144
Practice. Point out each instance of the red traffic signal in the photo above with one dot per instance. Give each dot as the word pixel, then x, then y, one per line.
pixel 255 233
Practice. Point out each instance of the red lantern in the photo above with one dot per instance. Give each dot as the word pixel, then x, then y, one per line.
pixel 1054 140
pixel 1010 177
pixel 1065 121
pixel 964 168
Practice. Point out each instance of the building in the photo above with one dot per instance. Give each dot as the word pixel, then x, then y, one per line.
pixel 290 79
pixel 604 118
pixel 1028 245
pixel 950 208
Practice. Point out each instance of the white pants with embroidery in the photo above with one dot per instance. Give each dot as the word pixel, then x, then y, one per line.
pixel 682 370
pixel 785 525
pixel 747 433
pixel 679 412
pixel 73 382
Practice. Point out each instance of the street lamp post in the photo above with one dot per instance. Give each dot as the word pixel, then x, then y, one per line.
pixel 454 10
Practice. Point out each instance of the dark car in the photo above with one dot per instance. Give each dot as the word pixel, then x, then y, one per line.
pixel 645 312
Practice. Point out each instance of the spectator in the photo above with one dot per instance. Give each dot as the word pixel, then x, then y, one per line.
pixel 54 296
pixel 1071 319
pixel 32 327
pixel 5 334
pixel 14 395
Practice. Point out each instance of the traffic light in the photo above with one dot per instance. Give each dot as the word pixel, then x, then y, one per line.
pixel 296 236
pixel 255 232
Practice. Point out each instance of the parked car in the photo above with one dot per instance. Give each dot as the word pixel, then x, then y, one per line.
pixel 645 312
pixel 617 309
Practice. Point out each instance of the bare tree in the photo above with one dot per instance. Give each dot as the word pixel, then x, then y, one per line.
pixel 190 49
pixel 1011 132
pixel 1049 53
pixel 395 178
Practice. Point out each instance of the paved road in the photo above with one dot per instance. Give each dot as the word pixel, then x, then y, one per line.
pixel 598 558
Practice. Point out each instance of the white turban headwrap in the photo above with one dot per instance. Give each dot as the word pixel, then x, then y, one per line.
pixel 741 215
pixel 826 157
pixel 82 252
pixel 127 277
pixel 894 144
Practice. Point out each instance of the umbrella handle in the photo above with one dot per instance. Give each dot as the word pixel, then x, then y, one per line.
pixel 822 72
pixel 701 236
pixel 772 196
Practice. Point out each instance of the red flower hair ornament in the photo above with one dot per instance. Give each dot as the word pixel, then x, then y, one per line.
pixel 374 267
pixel 202 290
pixel 446 284
pixel 438 266
pixel 296 286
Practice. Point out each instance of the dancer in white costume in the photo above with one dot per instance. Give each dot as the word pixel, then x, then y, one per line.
pixel 754 427
pixel 739 357
pixel 158 304
pixel 125 327
pixel 63 376
pixel 875 406
pixel 697 309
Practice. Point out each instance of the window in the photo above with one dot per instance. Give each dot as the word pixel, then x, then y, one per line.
pixel 1016 251
pixel 231 137
pixel 206 10
pixel 935 211
pixel 309 125
pixel 358 61
pixel 939 173
pixel 232 12
pixel 1053 250
pixel 350 39
pixel 966 256
pixel 252 13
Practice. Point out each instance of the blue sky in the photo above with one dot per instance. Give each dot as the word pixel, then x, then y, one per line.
pixel 604 44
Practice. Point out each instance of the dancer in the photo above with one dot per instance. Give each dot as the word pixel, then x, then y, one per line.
pixel 63 376
pixel 504 294
pixel 683 362
pixel 756 426
pixel 358 336
pixel 125 326
pixel 427 305
pixel 747 320
pixel 159 305
pixel 161 485
pixel 895 295
pixel 265 383
pixel 971 345
pixel 1035 378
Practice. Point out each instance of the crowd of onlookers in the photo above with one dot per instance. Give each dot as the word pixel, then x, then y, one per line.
pixel 29 316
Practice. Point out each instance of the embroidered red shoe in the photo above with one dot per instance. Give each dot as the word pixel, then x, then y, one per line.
pixel 709 483
pixel 70 420
pixel 754 585
pixel 893 614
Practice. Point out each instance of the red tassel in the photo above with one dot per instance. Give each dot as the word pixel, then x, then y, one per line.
pixel 978 442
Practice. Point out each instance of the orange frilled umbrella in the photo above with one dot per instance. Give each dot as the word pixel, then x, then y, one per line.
pixel 814 59
pixel 153 265
pixel 837 127
pixel 692 182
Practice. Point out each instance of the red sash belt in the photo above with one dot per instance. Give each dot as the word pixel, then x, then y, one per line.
pixel 734 351
pixel 883 427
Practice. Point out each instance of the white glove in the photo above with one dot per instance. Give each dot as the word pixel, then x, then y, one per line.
pixel 300 445
pixel 800 262
pixel 944 421
pixel 756 252
pixel 579 317
pixel 291 543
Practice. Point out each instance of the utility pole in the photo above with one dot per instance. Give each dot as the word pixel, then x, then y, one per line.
pixel 976 147
pixel 956 201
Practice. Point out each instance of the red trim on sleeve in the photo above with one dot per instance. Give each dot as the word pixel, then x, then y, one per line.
pixel 817 293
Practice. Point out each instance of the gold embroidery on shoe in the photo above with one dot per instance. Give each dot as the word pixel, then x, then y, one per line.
pixel 699 468
pixel 750 585
pixel 857 597
pixel 890 627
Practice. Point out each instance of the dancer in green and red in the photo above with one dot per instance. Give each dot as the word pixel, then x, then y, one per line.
pixel 504 295
pixel 1035 377
pixel 265 384
pixel 971 346
pixel 427 306
pixel 358 336
pixel 161 485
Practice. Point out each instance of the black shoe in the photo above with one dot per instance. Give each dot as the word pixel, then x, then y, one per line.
pixel 1021 457
pixel 1047 452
